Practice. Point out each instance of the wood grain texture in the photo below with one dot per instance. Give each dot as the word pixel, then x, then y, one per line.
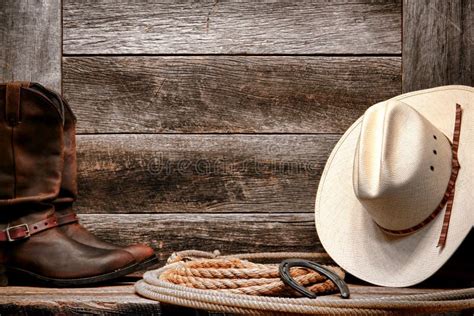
pixel 226 94
pixel 200 173
pixel 120 300
pixel 229 233
pixel 230 27
pixel 126 290
pixel 438 43
pixel 30 36
pixel 102 300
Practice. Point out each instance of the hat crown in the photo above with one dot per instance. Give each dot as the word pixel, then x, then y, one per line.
pixel 402 165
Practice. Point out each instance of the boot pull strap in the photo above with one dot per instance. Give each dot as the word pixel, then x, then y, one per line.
pixel 23 231
pixel 12 98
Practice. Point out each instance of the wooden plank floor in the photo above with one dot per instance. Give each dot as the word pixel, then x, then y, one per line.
pixel 120 299
pixel 114 299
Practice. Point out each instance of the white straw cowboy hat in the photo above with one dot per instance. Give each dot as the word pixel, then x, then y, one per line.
pixel 396 197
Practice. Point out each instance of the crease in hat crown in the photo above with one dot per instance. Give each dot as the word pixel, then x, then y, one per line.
pixel 402 165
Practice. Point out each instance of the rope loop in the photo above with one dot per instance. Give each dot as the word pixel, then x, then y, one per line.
pixel 234 284
pixel 239 276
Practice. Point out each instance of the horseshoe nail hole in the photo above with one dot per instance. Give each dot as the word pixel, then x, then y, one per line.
pixel 35 227
pixel 434 136
pixel 435 152
pixel 431 168
pixel 45 224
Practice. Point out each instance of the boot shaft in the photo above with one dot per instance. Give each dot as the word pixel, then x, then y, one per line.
pixel 31 145
pixel 68 191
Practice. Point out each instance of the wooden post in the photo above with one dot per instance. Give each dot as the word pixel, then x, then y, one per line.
pixel 438 48
pixel 30 39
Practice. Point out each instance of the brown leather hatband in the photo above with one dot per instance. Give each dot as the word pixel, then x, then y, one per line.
pixel 448 196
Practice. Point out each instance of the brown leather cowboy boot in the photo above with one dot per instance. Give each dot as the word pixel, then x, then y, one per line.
pixel 32 246
pixel 67 218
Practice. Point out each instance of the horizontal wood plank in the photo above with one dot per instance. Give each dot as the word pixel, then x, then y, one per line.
pixel 103 300
pixel 228 233
pixel 235 27
pixel 126 291
pixel 438 43
pixel 226 94
pixel 121 300
pixel 200 173
pixel 30 39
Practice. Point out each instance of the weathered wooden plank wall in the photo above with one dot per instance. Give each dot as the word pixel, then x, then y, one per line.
pixel 226 94
pixel 30 41
pixel 147 72
pixel 136 173
pixel 438 43
pixel 214 148
pixel 230 233
pixel 207 124
pixel 232 27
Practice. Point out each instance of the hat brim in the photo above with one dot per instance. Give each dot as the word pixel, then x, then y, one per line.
pixel 352 238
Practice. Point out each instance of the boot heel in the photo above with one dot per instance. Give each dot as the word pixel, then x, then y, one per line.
pixel 3 275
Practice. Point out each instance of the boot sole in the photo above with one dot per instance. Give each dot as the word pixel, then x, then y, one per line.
pixel 148 262
pixel 24 275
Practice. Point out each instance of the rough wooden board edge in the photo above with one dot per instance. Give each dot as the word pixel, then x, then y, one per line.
pixel 31 36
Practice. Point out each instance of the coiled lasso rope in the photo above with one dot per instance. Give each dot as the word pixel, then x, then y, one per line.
pixel 231 284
